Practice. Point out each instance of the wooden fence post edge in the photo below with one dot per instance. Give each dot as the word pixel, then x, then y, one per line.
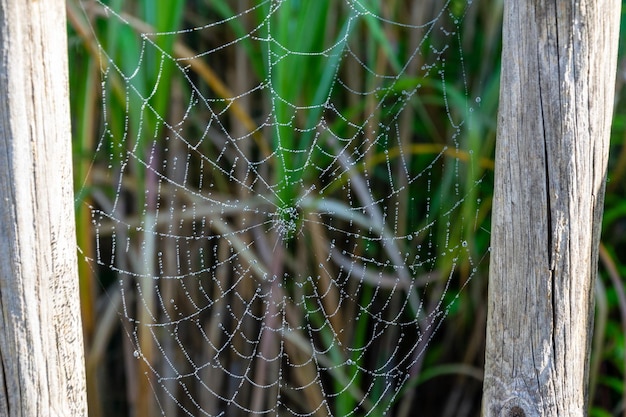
pixel 556 102
pixel 41 343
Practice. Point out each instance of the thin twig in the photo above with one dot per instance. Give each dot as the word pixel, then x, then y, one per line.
pixel 616 280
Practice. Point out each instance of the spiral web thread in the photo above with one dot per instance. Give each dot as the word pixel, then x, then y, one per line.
pixel 285 249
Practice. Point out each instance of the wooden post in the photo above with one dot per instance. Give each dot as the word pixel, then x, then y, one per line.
pixel 41 344
pixel 556 103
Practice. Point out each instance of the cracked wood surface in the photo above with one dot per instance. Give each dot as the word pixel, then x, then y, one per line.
pixel 41 347
pixel 556 103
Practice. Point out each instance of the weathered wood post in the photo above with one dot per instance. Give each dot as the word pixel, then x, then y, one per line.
pixel 41 345
pixel 556 102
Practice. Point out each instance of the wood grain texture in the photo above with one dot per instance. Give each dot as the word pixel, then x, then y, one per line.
pixel 41 349
pixel 556 103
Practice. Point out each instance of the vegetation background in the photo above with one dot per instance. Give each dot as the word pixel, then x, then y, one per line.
pixel 450 381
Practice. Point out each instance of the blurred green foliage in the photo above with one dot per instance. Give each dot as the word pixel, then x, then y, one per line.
pixel 450 382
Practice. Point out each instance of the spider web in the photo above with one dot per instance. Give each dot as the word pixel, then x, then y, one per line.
pixel 286 248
